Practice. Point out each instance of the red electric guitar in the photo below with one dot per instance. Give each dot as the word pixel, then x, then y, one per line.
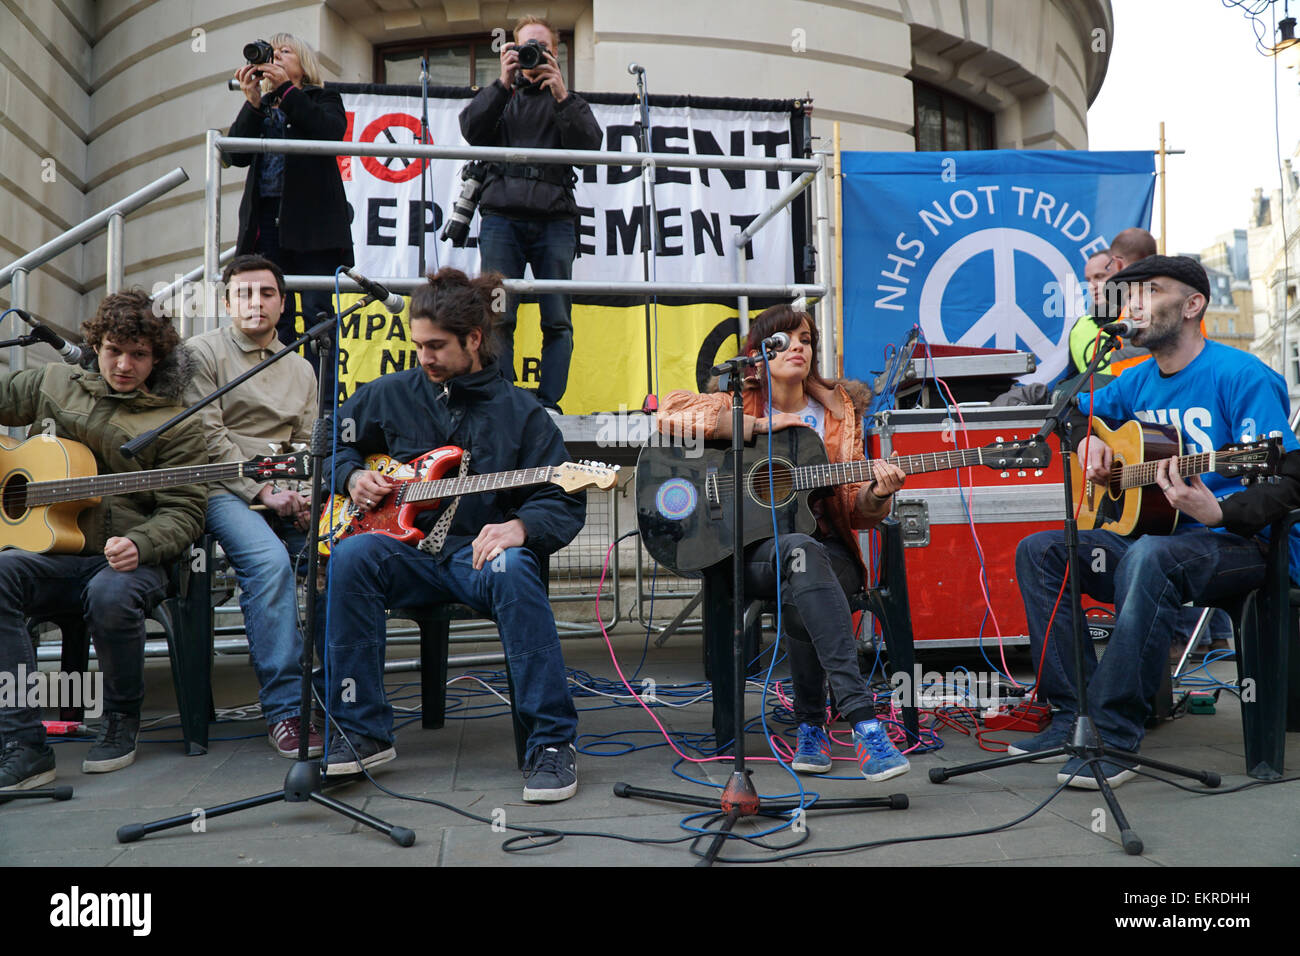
pixel 420 486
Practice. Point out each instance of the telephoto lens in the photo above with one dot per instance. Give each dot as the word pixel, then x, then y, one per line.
pixel 462 210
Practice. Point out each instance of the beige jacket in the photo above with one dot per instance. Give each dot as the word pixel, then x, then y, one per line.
pixel 271 409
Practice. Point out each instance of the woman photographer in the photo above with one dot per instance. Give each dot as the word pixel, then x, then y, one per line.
pixel 294 211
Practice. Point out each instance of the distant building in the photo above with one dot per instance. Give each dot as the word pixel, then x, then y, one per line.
pixel 1274 277
pixel 1230 316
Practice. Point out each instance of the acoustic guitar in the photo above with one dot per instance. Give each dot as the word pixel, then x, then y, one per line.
pixel 46 482
pixel 421 486
pixel 684 496
pixel 1129 503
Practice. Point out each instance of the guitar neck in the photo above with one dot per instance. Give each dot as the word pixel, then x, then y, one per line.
pixel 471 484
pixel 820 476
pixel 125 483
pixel 1144 473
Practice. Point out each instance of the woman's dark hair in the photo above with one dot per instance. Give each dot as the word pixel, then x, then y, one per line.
pixel 781 318
pixel 460 305
pixel 127 317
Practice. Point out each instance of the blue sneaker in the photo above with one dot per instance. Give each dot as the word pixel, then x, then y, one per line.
pixel 878 758
pixel 814 752
pixel 1077 774
pixel 1057 734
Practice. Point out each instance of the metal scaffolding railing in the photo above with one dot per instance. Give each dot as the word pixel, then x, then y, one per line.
pixel 812 175
pixel 112 219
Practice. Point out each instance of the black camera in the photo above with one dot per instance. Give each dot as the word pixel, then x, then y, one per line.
pixel 258 52
pixel 531 54
pixel 462 210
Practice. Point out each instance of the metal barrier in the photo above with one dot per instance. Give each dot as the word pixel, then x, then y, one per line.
pixel 112 219
pixel 813 175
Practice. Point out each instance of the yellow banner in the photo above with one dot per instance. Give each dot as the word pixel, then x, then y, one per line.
pixel 608 368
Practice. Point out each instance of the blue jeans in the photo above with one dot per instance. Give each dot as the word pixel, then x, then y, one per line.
pixel 372 572
pixel 115 603
pixel 506 246
pixel 268 596
pixel 1148 579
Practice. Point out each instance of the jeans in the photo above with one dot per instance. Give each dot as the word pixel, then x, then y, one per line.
pixel 116 604
pixel 372 572
pixel 817 577
pixel 1148 579
pixel 268 596
pixel 506 246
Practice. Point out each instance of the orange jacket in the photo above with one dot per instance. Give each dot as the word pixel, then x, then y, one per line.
pixel 709 416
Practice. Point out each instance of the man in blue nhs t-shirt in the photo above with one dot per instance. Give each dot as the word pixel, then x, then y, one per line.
pixel 1214 395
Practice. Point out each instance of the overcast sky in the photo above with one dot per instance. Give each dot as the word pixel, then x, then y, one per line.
pixel 1194 64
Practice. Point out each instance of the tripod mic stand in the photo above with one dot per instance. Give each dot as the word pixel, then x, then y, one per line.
pixel 304 780
pixel 1084 741
pixel 739 798
pixel 650 237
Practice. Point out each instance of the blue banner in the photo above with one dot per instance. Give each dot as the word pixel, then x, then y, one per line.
pixel 982 248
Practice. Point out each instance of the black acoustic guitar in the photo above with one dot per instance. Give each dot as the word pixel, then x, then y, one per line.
pixel 684 494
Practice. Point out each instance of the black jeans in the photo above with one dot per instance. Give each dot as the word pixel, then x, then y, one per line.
pixel 306 304
pixel 817 577
pixel 115 604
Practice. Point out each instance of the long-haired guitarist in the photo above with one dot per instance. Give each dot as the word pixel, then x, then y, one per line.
pixel 119 575
pixel 1212 394
pixel 487 557
pixel 818 571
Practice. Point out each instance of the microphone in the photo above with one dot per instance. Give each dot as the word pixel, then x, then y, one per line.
pixel 390 300
pixel 67 351
pixel 1122 328
pixel 635 68
pixel 778 342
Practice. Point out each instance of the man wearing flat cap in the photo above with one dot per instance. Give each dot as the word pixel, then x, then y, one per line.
pixel 1214 395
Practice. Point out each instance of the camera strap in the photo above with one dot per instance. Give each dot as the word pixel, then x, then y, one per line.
pixel 555 175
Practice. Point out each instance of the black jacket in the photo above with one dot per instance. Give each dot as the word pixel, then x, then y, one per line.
pixel 404 415
pixel 1251 510
pixel 529 116
pixel 314 214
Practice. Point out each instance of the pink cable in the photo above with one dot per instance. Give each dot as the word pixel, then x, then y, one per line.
pixel 970 516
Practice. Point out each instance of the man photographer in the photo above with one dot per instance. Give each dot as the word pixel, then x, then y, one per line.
pixel 528 211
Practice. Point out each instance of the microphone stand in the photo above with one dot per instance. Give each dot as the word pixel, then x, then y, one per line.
pixel 425 172
pixel 649 216
pixel 739 798
pixel 304 781
pixel 1084 741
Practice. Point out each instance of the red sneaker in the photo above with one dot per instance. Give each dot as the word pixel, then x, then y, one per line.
pixel 286 737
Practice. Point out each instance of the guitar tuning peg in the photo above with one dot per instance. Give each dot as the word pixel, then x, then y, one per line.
pixel 1006 474
pixel 1275 434
pixel 1038 472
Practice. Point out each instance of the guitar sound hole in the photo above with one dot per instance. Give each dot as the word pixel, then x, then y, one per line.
pixel 782 483
pixel 15 497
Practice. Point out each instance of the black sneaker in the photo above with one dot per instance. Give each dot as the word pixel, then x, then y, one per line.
pixel 114 748
pixel 551 774
pixel 364 752
pixel 25 766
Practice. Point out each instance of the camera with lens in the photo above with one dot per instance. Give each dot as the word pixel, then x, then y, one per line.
pixel 531 54
pixel 256 53
pixel 462 210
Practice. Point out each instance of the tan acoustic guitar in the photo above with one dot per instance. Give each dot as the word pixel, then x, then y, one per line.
pixel 46 482
pixel 1130 503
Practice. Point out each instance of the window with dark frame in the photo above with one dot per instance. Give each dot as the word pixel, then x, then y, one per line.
pixel 946 122
pixel 453 61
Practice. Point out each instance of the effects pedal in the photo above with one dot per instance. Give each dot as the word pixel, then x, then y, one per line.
pixel 1024 716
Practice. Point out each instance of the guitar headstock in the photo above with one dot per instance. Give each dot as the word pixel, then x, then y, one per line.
pixel 574 476
pixel 1016 454
pixel 1257 459
pixel 278 467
